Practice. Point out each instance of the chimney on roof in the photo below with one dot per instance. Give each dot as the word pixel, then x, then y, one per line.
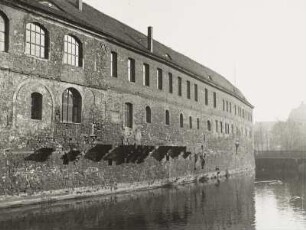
pixel 80 5
pixel 150 39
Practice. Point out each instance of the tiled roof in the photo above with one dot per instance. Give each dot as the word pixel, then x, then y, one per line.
pixel 99 22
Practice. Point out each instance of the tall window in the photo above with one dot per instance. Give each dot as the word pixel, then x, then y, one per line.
pixel 195 92
pixel 131 70
pixel 206 96
pixel 148 114
pixel 188 89
pixel 72 51
pixel 72 106
pixel 190 122
pixel 179 86
pixel 198 123
pixel 181 120
pixel 3 32
pixel 159 79
pixel 167 117
pixel 227 108
pixel 208 126
pixel 223 105
pixel 215 100
pixel 221 126
pixel 36 41
pixel 36 106
pixel 217 124
pixel 146 74
pixel 129 115
pixel 170 83
pixel 114 64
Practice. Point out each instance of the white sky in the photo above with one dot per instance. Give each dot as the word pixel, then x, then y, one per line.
pixel 259 45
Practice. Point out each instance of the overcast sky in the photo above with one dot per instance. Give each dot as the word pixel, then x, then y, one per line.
pixel 258 45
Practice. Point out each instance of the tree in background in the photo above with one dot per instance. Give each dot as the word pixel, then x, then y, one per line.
pixel 288 135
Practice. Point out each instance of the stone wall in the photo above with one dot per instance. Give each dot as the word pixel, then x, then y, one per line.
pixel 31 174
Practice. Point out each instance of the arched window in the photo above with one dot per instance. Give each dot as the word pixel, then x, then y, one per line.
pixel 72 106
pixel 3 32
pixel 181 120
pixel 129 115
pixel 208 125
pixel 36 106
pixel 190 122
pixel 36 40
pixel 72 51
pixel 167 117
pixel 148 114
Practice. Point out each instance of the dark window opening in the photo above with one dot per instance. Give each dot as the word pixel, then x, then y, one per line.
pixel 181 120
pixel 131 70
pixel 72 106
pixel 114 64
pixel 159 79
pixel 206 96
pixel 215 100
pixel 179 86
pixel 129 115
pixel 196 92
pixel 167 117
pixel 217 129
pixel 198 123
pixel 188 89
pixel 36 106
pixel 170 83
pixel 190 122
pixel 146 74
pixel 148 114
pixel 208 125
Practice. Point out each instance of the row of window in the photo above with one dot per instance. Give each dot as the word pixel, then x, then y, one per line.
pixel 37 42
pixel 72 110
pixel 146 77
pixel 220 126
pixel 238 111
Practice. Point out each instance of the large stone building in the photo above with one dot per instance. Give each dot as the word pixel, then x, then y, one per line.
pixel 68 71
pixel 79 86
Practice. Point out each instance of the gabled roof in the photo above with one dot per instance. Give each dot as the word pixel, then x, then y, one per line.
pixel 98 22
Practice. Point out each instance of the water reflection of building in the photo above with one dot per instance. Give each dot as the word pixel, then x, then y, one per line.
pixel 226 205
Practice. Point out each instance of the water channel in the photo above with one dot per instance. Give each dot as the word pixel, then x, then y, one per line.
pixel 238 203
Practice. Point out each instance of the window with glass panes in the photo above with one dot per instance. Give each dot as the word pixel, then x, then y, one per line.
pixel 72 51
pixel 36 41
pixel 3 33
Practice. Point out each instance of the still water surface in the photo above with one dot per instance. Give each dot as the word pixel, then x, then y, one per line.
pixel 240 203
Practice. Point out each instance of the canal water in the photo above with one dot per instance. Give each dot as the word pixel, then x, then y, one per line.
pixel 238 203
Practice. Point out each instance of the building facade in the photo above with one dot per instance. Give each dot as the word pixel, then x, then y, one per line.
pixel 67 79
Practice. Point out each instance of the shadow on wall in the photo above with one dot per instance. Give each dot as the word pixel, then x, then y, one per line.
pixel 119 155
pixel 40 155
